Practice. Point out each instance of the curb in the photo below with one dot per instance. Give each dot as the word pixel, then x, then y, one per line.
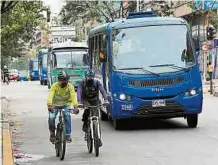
pixel 7 151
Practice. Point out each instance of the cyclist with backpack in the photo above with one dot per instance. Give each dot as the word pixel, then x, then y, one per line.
pixel 88 94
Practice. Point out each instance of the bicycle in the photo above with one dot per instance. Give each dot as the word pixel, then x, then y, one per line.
pixel 93 133
pixel 6 79
pixel 60 135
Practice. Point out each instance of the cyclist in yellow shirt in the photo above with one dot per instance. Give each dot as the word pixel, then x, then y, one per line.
pixel 62 93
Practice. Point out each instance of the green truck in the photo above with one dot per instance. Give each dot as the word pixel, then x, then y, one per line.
pixel 73 58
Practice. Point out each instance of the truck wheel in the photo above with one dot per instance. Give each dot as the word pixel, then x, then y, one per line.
pixel 192 120
pixel 41 82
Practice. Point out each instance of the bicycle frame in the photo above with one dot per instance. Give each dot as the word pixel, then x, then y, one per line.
pixel 94 115
pixel 60 128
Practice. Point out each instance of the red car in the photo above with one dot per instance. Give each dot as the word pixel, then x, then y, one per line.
pixel 14 75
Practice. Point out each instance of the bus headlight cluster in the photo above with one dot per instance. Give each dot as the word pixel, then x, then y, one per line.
pixel 191 92
pixel 124 97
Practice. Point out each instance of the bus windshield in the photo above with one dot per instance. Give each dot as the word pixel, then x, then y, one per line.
pixel 152 48
pixel 35 65
pixel 45 60
pixel 71 59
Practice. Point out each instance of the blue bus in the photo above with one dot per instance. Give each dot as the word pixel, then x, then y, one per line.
pixel 148 67
pixel 33 69
pixel 43 69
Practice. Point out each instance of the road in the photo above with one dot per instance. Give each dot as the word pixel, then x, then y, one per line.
pixel 168 142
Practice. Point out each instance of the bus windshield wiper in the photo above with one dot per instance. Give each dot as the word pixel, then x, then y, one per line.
pixel 170 65
pixel 144 70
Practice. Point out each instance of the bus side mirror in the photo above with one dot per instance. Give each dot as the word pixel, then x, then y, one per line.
pixel 102 55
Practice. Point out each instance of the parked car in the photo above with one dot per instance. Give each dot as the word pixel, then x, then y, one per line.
pixel 23 74
pixel 13 74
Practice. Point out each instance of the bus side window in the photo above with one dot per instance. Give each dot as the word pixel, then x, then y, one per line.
pixel 92 51
pixel 48 60
pixel 53 60
pixel 104 43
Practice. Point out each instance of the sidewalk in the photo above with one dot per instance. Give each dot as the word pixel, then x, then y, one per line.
pixel 206 87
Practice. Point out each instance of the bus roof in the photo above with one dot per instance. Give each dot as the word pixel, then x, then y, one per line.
pixel 70 45
pixel 35 59
pixel 44 50
pixel 137 22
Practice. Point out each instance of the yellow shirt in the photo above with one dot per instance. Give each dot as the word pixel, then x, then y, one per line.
pixel 62 96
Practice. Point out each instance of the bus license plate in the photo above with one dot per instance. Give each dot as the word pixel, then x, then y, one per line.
pixel 158 103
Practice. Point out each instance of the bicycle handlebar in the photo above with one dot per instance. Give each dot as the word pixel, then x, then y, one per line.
pixel 95 106
pixel 59 108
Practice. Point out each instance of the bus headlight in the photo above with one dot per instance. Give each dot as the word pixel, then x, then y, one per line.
pixel 193 92
pixel 122 97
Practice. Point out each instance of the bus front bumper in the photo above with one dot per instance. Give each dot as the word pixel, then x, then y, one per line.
pixel 179 106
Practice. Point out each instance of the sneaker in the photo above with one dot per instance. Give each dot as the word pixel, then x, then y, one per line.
pixel 52 138
pixel 85 138
pixel 68 139
pixel 84 127
pixel 100 143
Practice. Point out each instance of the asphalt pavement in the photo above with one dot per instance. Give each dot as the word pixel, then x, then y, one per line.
pixel 150 142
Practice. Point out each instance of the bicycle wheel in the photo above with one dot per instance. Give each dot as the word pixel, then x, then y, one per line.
pixel 89 140
pixel 62 143
pixel 57 143
pixel 96 138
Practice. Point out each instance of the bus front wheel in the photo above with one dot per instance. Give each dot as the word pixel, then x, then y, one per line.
pixel 44 82
pixel 192 120
pixel 117 124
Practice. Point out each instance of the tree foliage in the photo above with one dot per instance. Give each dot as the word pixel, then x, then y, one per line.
pixel 18 25
pixel 104 11
pixel 7 6
pixel 212 15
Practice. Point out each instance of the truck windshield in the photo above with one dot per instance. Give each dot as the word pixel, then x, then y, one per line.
pixel 71 59
pixel 152 48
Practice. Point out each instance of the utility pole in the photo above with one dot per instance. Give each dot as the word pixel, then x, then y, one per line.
pixel 137 5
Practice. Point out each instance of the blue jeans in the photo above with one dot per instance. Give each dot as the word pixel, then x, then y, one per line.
pixel 52 117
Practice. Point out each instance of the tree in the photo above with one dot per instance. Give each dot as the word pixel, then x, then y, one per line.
pixel 18 25
pixel 161 8
pixel 7 6
pixel 104 11
pixel 212 15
